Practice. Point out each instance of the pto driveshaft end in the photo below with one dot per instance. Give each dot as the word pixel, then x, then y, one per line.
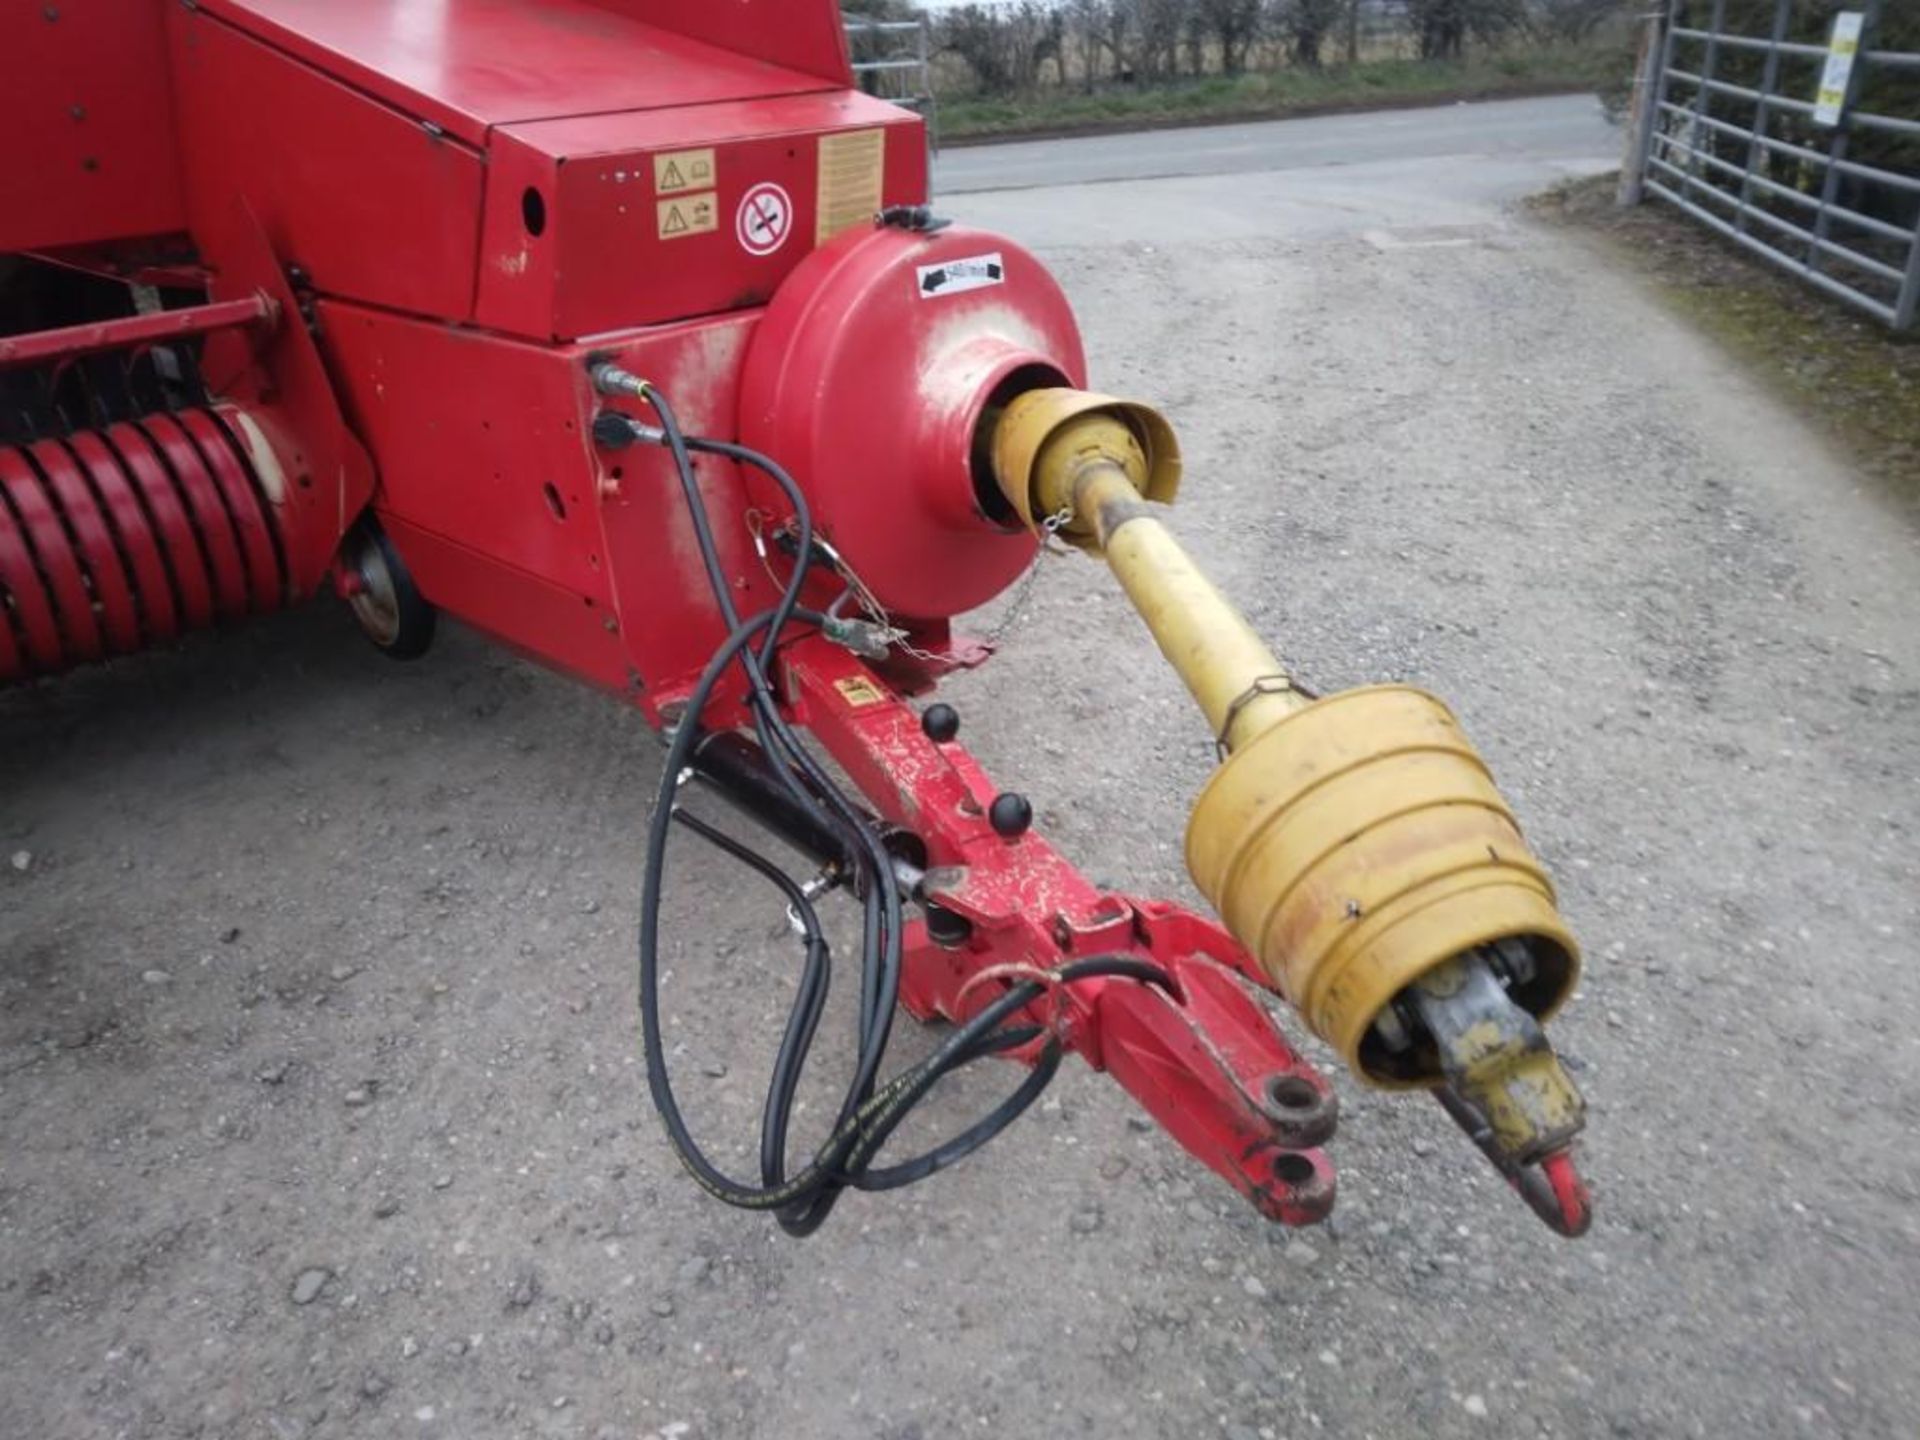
pixel 1355 844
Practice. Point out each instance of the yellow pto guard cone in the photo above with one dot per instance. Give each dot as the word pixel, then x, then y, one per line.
pixel 1356 844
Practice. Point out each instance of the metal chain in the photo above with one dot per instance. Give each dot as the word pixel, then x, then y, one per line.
pixel 1015 604
pixel 893 634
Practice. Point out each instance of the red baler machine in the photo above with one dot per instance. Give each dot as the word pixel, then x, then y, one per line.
pixel 621 330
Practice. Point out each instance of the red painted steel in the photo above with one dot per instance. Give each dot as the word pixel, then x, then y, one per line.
pixel 449 209
pixel 604 259
pixel 28 603
pixel 1199 1060
pixel 210 520
pixel 265 590
pixel 133 534
pixel 469 65
pixel 499 477
pixel 160 326
pixel 805 36
pixel 87 109
pixel 871 387
pixel 65 586
pixel 80 517
pixel 173 530
pixel 99 555
pixel 285 413
pixel 359 195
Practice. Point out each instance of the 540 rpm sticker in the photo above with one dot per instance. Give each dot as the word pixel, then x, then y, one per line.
pixel 955 277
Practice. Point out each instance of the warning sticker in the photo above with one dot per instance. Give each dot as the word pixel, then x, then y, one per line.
pixel 687 215
pixel 850 168
pixel 765 219
pixel 953 277
pixel 1836 79
pixel 859 692
pixel 683 170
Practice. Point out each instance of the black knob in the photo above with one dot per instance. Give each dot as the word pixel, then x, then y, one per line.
pixel 941 723
pixel 612 430
pixel 1010 814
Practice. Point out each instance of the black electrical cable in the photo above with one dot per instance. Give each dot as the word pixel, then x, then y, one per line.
pixel 869 1112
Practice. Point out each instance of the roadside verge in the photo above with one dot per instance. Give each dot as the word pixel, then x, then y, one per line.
pixel 1854 378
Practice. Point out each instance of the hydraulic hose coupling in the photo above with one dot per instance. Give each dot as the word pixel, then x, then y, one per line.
pixel 1355 844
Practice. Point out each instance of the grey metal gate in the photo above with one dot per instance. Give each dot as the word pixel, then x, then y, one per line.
pixel 893 59
pixel 1799 147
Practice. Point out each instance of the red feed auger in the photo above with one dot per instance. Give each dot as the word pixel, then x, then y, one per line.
pixel 621 330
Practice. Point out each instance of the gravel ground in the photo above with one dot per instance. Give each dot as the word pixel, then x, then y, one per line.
pixel 319 1107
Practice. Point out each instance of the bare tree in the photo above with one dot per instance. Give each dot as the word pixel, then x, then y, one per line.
pixel 1085 24
pixel 1306 24
pixel 1159 23
pixel 1575 20
pixel 1444 26
pixel 1234 25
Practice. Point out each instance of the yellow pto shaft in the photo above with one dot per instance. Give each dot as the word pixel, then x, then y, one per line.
pixel 1355 844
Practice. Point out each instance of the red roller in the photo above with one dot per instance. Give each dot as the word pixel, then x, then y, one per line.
pixel 106 575
pixel 54 557
pixel 172 527
pixel 118 539
pixel 209 512
pixel 12 665
pixel 39 647
pixel 265 584
pixel 134 531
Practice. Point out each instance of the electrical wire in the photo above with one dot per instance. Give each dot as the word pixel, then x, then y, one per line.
pixel 870 1111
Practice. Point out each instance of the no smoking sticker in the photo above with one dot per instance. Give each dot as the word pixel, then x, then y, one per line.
pixel 765 219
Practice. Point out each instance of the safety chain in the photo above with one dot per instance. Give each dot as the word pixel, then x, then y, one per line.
pixel 895 636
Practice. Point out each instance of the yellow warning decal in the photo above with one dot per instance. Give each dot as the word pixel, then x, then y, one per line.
pixel 688 215
pixel 851 163
pixel 858 691
pixel 683 170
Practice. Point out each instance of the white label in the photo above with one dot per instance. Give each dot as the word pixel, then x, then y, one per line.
pixel 765 219
pixel 1838 75
pixel 954 277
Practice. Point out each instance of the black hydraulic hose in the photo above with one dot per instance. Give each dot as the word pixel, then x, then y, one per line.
pixel 880 948
pixel 810 1000
pixel 869 1112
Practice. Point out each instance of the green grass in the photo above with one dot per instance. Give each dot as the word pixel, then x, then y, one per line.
pixel 1275 93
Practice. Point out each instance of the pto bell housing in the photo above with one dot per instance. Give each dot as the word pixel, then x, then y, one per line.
pixel 878 375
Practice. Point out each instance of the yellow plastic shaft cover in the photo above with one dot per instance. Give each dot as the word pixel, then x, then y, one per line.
pixel 1357 844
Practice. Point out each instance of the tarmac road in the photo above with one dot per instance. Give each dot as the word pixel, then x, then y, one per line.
pixel 1555 127
pixel 319 1107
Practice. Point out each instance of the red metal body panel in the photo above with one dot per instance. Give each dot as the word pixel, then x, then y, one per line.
pixel 483 450
pixel 469 65
pixel 808 37
pixel 287 419
pixel 604 260
pixel 366 201
pixel 87 108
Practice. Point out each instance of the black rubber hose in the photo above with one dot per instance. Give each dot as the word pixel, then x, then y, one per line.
pixel 869 1113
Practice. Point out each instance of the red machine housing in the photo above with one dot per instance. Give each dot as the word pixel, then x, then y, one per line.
pixel 364 255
